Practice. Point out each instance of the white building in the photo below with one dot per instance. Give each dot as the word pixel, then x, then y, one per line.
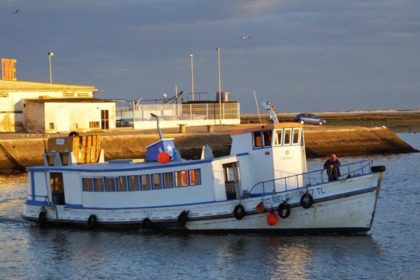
pixel 68 114
pixel 48 107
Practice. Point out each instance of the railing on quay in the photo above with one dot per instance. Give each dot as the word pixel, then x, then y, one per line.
pixel 196 111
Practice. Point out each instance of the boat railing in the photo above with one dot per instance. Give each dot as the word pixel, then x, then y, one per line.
pixel 310 178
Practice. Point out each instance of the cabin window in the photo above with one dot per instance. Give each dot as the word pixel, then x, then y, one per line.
pixel 181 178
pixel 267 138
pixel 145 182
pixel 56 182
pixel 87 184
pixel 110 184
pixel 195 177
pixel 257 139
pixel 156 182
pixel 122 184
pixel 168 180
pixel 99 184
pixel 296 133
pixel 277 137
pixel 287 134
pixel 133 183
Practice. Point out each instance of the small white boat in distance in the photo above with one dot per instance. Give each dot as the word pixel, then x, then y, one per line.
pixel 262 186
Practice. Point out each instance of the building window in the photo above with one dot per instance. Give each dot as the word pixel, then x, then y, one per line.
pixel 93 124
pixel 105 119
pixel 51 125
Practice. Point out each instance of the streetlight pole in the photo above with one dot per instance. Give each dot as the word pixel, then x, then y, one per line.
pixel 220 86
pixel 192 76
pixel 50 54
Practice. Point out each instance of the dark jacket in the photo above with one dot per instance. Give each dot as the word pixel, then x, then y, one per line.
pixel 333 169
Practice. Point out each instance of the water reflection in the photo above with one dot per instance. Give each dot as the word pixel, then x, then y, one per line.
pixel 391 251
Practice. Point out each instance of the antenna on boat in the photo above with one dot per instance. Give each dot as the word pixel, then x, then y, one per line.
pixel 270 108
pixel 158 127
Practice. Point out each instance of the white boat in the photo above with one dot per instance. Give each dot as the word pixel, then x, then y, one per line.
pixel 262 186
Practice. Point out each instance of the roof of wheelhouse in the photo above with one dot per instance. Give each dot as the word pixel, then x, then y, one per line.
pixel 266 127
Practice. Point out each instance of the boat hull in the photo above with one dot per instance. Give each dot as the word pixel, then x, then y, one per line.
pixel 345 206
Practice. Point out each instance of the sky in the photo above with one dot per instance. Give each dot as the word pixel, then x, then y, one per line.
pixel 300 55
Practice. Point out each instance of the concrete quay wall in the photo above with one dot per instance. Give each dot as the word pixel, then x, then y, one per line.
pixel 22 151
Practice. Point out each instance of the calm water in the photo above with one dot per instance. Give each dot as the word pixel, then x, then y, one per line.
pixel 391 251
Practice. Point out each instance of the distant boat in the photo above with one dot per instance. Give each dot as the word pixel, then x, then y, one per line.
pixel 262 186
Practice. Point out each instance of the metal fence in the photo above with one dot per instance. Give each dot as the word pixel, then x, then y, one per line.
pixel 184 111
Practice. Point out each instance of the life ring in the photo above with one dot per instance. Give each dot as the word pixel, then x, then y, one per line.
pixel 282 207
pixel 146 224
pixel 239 212
pixel 378 168
pixel 92 222
pixel 73 134
pixel 183 218
pixel 42 218
pixel 306 200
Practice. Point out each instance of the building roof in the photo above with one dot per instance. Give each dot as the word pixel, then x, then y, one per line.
pixel 70 100
pixel 37 86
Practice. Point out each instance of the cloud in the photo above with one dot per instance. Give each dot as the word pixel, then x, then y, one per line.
pixel 305 55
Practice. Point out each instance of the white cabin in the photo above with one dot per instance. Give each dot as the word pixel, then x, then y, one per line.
pixel 278 150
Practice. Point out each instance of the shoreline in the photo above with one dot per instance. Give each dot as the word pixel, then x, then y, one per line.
pixel 18 153
pixel 344 134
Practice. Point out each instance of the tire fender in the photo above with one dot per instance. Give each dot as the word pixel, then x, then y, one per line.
pixel 378 168
pixel 306 200
pixel 183 218
pixel 42 218
pixel 239 212
pixel 284 206
pixel 146 224
pixel 92 222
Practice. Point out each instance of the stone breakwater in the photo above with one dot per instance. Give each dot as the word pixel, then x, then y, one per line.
pixel 19 152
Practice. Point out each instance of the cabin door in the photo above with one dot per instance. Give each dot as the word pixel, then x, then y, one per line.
pixel 231 172
pixel 57 188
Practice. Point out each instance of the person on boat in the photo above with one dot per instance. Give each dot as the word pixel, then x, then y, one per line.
pixel 333 167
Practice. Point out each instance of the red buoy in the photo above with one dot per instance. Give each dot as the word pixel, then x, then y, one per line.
pixel 260 207
pixel 163 157
pixel 272 218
